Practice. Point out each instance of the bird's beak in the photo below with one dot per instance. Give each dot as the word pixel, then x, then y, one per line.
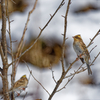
pixel 72 36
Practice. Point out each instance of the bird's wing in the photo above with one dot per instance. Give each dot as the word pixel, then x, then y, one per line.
pixel 84 48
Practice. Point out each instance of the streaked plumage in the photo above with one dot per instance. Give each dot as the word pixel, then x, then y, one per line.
pixel 80 48
pixel 20 84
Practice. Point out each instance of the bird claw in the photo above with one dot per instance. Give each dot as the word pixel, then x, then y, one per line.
pixel 77 59
pixel 18 94
pixel 23 89
pixel 79 56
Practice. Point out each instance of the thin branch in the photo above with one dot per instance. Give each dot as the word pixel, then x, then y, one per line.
pixel 36 79
pixel 1 52
pixel 18 54
pixel 1 76
pixel 64 73
pixel 73 73
pixel 62 60
pixel 25 96
pixel 64 36
pixel 53 75
pixel 94 38
pixel 11 51
pixel 93 48
pixel 41 30
pixel 91 42
pixel 83 69
pixel 72 76
pixel 95 58
pixel 83 52
pixel 25 28
pixel 77 72
pixel 66 83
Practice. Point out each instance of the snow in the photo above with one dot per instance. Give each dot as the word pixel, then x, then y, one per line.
pixel 86 24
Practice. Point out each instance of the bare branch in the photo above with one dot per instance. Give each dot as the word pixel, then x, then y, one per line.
pixel 24 96
pixel 64 73
pixel 63 48
pixel 1 52
pixel 83 69
pixel 36 79
pixel 53 75
pixel 79 70
pixel 64 38
pixel 93 48
pixel 25 28
pixel 22 39
pixel 94 38
pixel 41 30
pixel 1 76
pixel 95 58
pixel 11 51
pixel 74 71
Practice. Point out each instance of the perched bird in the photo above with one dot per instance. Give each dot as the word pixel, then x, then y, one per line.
pixel 81 51
pixel 20 84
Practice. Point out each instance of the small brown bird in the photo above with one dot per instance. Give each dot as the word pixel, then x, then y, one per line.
pixel 81 51
pixel 20 84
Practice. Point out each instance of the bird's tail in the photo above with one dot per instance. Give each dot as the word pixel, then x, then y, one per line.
pixel 89 69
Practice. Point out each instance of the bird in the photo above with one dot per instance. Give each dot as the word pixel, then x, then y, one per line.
pixel 20 84
pixel 81 51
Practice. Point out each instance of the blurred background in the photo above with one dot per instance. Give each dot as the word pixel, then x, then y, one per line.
pixel 83 18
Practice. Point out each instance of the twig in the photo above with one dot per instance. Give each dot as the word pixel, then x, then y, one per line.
pixel 95 58
pixel 77 72
pixel 25 28
pixel 53 75
pixel 93 48
pixel 94 38
pixel 85 49
pixel 24 96
pixel 11 52
pixel 41 30
pixel 1 76
pixel 63 48
pixel 64 73
pixel 36 79
pixel 1 52
pixel 73 73
pixel 83 69
pixel 64 37
pixel 66 83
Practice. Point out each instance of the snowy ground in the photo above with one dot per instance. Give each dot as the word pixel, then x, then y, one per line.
pixel 86 24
